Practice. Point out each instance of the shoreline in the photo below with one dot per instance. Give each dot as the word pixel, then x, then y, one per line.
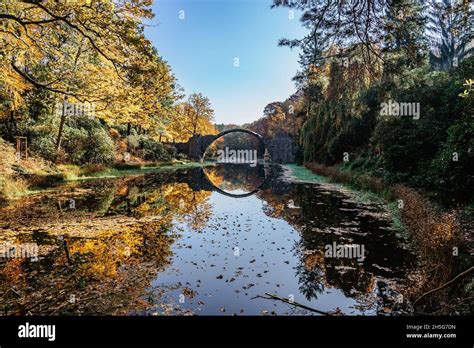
pixel 437 236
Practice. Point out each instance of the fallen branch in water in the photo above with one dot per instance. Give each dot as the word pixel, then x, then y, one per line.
pixel 293 303
pixel 460 275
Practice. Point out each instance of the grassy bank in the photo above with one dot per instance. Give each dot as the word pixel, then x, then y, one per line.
pixel 303 174
pixel 441 240
pixel 20 177
pixel 74 172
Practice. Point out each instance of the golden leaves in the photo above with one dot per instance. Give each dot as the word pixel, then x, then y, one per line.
pixel 95 51
pixel 469 87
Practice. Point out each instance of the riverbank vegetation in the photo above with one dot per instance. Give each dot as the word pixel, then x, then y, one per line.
pixel 384 104
pixel 441 238
pixel 80 84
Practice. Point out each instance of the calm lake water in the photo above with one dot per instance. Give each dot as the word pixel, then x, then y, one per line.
pixel 212 241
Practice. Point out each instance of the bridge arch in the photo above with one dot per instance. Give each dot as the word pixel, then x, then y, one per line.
pixel 233 195
pixel 209 139
pixel 210 186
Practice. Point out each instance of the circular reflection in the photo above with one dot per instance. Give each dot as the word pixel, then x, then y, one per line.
pixel 246 145
pixel 236 179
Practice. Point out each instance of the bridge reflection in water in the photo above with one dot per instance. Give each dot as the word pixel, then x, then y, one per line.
pixel 158 236
pixel 229 178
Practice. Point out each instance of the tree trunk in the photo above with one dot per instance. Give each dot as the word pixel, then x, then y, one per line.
pixel 61 127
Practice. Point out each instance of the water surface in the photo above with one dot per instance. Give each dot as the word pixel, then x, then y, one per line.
pixel 210 241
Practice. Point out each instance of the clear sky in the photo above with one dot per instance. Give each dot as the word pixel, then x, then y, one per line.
pixel 202 49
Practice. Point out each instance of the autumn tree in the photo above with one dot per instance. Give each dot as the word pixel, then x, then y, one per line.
pixel 199 114
pixel 192 117
pixel 74 39
pixel 86 51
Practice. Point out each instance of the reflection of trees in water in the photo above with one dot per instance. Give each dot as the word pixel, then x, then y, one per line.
pixel 149 196
pixel 324 216
pixel 311 275
pixel 192 206
pixel 232 177
pixel 107 274
pixel 117 240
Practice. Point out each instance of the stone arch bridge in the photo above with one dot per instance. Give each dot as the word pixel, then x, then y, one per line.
pixel 196 147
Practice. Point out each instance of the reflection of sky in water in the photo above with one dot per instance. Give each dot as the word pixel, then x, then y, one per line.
pixel 280 232
pixel 266 262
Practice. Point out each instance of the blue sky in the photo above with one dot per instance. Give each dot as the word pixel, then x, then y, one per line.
pixel 201 50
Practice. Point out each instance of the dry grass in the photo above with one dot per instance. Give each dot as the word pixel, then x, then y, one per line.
pixel 429 229
pixel 72 171
pixel 14 172
pixel 435 235
pixel 333 173
pixel 11 186
pixel 364 182
pixel 370 183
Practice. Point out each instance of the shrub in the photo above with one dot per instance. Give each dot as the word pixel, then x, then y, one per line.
pixel 87 141
pixel 92 169
pixel 44 145
pixel 100 148
pixel 355 135
pixel 133 142
pixel 181 156
pixel 171 150
pixel 451 178
pixel 127 166
pixel 153 150
pixel 333 173
pixel 74 144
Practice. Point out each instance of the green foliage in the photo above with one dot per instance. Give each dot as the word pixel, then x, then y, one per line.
pixel 153 151
pixel 352 137
pixel 419 152
pixel 402 145
pixel 344 115
pixel 453 167
pixel 100 148
pixel 86 141
pixel 43 144
pixel 435 152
